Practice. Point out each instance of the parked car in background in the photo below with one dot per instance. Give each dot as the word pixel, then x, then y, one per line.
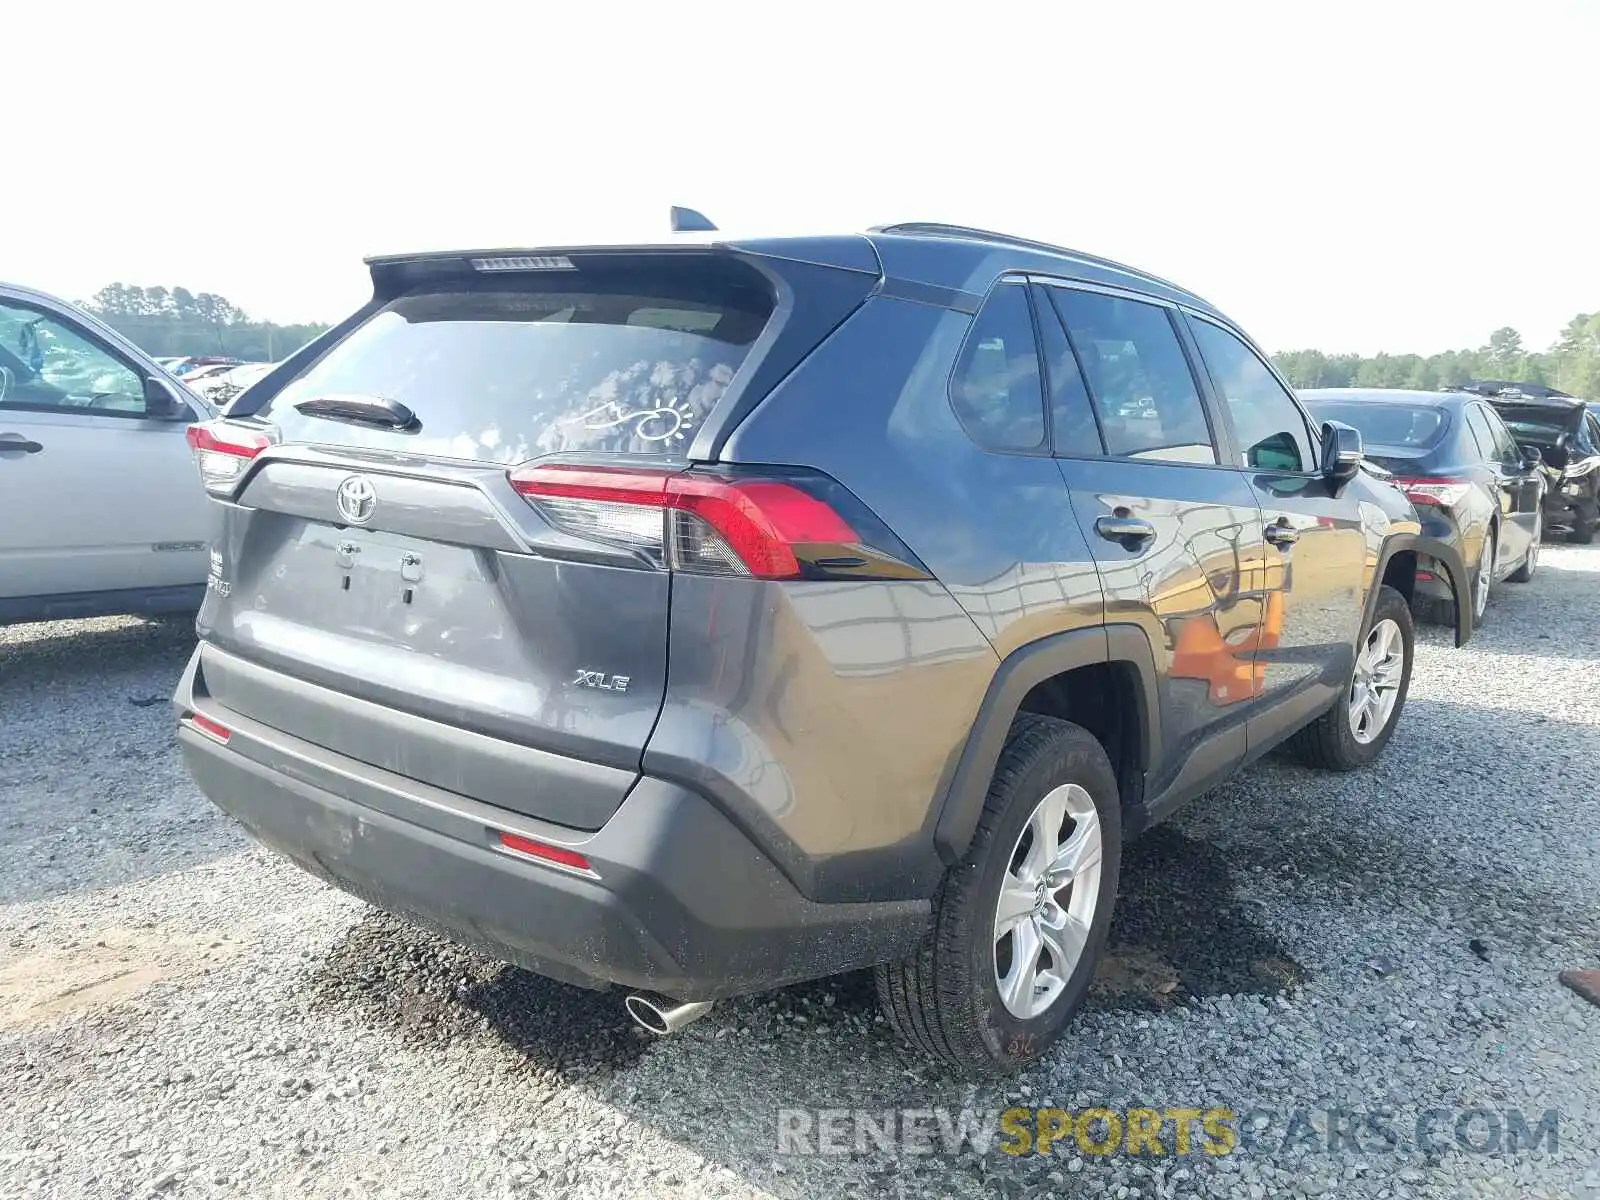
pixel 100 512
pixel 1474 486
pixel 198 378
pixel 221 387
pixel 190 363
pixel 982 555
pixel 1567 434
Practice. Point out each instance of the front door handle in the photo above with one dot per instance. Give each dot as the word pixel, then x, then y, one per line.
pixel 1124 529
pixel 14 443
pixel 1282 535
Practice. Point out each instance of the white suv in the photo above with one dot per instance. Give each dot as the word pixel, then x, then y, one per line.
pixel 100 510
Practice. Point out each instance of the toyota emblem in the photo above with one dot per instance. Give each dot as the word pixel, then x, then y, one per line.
pixel 356 499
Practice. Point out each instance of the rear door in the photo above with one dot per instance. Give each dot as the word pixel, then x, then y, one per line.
pixel 1316 548
pixel 1176 535
pixel 384 590
pixel 95 496
pixel 1521 491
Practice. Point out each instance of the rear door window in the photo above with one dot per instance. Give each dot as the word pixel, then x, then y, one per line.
pixel 1482 435
pixel 996 391
pixel 1505 446
pixel 1139 378
pixel 504 369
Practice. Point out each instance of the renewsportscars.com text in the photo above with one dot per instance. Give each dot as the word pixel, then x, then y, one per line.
pixel 1168 1131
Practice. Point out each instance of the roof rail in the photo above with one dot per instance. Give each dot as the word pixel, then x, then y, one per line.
pixel 942 229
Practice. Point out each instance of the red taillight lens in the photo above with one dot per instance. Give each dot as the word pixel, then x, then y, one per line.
pixel 760 521
pixel 555 854
pixel 767 528
pixel 215 730
pixel 1438 491
pixel 222 450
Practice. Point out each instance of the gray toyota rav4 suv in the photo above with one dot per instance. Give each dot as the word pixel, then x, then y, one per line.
pixel 709 616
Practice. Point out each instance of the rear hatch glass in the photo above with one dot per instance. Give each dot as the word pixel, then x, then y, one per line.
pixel 438 628
pixel 505 368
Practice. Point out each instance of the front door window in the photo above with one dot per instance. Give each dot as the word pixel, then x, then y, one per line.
pixel 47 364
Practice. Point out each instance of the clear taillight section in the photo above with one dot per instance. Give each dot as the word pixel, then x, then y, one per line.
pixel 222 451
pixel 1443 493
pixel 789 524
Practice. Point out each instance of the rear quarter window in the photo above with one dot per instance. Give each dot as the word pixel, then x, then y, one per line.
pixel 507 369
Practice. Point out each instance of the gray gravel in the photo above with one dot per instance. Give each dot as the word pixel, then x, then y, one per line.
pixel 182 1015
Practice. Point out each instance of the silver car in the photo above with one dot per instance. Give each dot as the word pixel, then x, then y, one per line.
pixel 100 510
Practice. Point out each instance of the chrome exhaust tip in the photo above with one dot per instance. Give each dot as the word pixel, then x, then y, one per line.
pixel 661 1016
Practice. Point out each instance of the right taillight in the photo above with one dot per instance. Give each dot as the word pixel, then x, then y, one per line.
pixel 222 451
pixel 791 524
pixel 1443 493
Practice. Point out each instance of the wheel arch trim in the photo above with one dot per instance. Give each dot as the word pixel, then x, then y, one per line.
pixel 962 798
pixel 1447 556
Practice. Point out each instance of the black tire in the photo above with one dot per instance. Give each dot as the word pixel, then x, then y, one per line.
pixel 1432 610
pixel 1486 558
pixel 944 999
pixel 1328 742
pixel 1583 519
pixel 1530 563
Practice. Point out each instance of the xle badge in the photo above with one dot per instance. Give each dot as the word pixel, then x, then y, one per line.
pixel 602 681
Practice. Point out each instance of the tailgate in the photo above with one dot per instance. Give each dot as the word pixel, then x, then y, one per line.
pixel 433 641
pixel 382 591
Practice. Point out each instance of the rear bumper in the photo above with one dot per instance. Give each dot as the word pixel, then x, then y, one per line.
pixel 678 900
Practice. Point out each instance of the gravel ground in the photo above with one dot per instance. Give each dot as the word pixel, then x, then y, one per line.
pixel 183 1015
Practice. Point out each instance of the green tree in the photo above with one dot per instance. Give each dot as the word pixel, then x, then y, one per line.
pixel 178 322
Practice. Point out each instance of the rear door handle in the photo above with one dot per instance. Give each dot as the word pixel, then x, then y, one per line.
pixel 1124 529
pixel 15 443
pixel 1282 535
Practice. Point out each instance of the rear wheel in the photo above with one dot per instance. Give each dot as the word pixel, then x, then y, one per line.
pixel 1530 564
pixel 1020 923
pixel 1355 730
pixel 1483 579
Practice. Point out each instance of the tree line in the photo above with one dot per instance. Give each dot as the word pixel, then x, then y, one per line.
pixel 1572 364
pixel 176 321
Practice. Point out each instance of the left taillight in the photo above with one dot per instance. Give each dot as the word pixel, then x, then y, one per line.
pixel 222 451
pixel 754 522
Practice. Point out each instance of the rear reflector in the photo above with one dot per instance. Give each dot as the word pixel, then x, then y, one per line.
pixel 766 526
pixel 1441 492
pixel 212 729
pixel 559 855
pixel 222 450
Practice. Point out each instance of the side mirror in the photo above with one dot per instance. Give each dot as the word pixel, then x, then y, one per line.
pixel 163 401
pixel 1532 457
pixel 1341 452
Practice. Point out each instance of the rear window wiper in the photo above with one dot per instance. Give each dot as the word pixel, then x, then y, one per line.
pixel 361 409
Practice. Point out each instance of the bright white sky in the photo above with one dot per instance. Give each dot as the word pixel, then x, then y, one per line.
pixel 1337 174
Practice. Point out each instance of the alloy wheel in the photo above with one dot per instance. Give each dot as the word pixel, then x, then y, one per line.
pixel 1047 901
pixel 1380 666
